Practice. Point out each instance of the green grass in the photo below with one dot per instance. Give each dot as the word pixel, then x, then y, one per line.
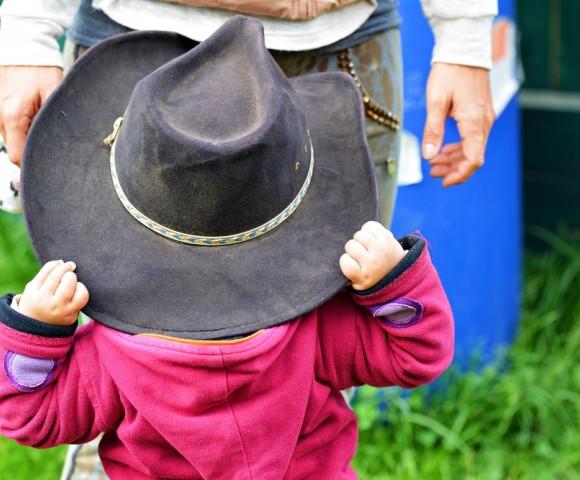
pixel 520 421
pixel 17 266
pixel 17 261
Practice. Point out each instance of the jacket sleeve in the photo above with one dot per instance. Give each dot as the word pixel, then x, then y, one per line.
pixel 31 29
pixel 462 30
pixel 43 399
pixel 399 332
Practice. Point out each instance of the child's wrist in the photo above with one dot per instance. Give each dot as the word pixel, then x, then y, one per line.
pixel 392 264
pixel 12 317
pixel 22 307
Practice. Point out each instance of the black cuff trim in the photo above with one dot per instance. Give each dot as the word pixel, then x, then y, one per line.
pixel 22 323
pixel 414 246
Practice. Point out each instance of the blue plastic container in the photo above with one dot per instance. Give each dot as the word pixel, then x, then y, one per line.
pixel 475 230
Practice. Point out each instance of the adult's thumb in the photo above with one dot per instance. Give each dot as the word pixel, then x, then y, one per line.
pixel 434 128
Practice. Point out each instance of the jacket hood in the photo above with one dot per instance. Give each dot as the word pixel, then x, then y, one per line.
pixel 176 363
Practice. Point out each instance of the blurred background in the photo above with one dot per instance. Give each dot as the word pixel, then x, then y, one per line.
pixel 507 245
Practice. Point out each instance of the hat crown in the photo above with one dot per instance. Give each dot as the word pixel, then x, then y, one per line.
pixel 215 142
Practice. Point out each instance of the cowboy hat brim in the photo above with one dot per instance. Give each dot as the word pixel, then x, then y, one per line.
pixel 141 282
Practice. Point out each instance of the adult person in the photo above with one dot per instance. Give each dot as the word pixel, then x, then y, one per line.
pixel 359 36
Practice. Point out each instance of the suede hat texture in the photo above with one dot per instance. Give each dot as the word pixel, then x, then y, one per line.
pixel 215 143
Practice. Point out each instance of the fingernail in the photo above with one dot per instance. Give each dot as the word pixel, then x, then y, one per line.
pixel 72 264
pixel 429 150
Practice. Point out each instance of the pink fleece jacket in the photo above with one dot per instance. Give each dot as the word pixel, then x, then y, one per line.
pixel 266 407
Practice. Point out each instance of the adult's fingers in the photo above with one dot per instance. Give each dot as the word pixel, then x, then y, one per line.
pixel 434 129
pixel 459 174
pixel 452 165
pixel 15 139
pixel 23 90
pixel 16 113
pixel 463 93
pixel 452 148
pixel 450 153
pixel 441 159
pixel 438 106
pixel 440 170
pixel 473 134
pixel 473 112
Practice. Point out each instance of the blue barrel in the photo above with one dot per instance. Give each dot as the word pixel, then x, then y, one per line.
pixel 475 230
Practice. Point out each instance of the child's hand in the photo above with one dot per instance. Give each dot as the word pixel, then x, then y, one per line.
pixel 370 255
pixel 54 295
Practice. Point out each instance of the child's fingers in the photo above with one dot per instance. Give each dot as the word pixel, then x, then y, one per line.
pixel 349 267
pixel 80 297
pixel 55 276
pixel 43 273
pixel 378 230
pixel 356 250
pixel 66 288
pixel 366 238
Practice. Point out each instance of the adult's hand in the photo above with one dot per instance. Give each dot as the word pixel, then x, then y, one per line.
pixel 23 90
pixel 464 94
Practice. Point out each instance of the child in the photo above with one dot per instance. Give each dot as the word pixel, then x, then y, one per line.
pixel 209 237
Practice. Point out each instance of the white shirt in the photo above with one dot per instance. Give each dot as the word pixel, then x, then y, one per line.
pixel 29 29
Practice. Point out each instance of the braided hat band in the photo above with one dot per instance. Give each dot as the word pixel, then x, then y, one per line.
pixel 207 241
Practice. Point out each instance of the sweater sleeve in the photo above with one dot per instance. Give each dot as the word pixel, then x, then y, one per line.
pixel 400 332
pixel 30 29
pixel 462 30
pixel 43 399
